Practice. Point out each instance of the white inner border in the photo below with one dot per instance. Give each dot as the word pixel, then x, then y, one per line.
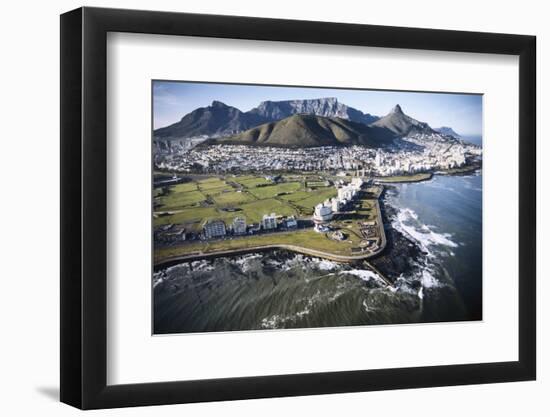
pixel 134 356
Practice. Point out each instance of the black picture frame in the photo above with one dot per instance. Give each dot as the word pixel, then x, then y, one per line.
pixel 84 207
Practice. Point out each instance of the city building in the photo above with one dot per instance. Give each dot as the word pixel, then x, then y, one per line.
pixel 407 158
pixel 239 226
pixel 336 205
pixel 213 228
pixel 170 233
pixel 269 221
pixel 357 183
pixel 291 222
pixel 254 228
pixel 323 213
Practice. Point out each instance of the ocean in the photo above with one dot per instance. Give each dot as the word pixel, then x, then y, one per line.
pixel 436 230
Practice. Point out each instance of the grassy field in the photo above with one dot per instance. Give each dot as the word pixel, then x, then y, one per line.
pixel 296 196
pixel 274 190
pixel 405 178
pixel 211 184
pixel 251 181
pixel 179 200
pixel 248 206
pixel 317 196
pixel 254 210
pixel 248 196
pixel 306 238
pixel 231 198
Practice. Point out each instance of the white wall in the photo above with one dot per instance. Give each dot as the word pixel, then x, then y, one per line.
pixel 29 162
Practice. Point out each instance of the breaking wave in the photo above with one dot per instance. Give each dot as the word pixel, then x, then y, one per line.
pixel 406 221
pixel 365 275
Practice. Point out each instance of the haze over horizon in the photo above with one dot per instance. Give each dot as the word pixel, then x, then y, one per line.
pixel 463 112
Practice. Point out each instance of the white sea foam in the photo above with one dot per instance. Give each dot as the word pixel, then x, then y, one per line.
pixel 335 296
pixel 366 275
pixel 407 222
pixel 273 263
pixel 291 263
pixel 271 322
pixel 178 267
pixel 202 266
pixel 366 307
pixel 326 265
pixel 245 262
pixel 428 280
pixel 158 278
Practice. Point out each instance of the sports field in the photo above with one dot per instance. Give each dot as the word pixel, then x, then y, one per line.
pixel 226 197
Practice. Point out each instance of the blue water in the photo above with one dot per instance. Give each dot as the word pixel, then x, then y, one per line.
pixel 444 215
pixel 475 139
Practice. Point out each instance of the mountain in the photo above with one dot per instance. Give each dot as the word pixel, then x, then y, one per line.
pixel 305 130
pixel 214 120
pixel 326 107
pixel 299 123
pixel 447 131
pixel 402 125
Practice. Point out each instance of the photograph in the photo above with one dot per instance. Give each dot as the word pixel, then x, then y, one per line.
pixel 283 207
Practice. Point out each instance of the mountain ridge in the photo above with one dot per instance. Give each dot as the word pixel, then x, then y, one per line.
pixel 447 131
pixel 220 119
pixel 298 123
pixel 326 107
pixel 306 130
pixel 214 120
pixel 401 124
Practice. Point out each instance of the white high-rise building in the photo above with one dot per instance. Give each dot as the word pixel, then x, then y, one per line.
pixel 269 221
pixel 336 205
pixel 323 213
pixel 239 226
pixel 213 228
pixel 378 159
pixel 357 182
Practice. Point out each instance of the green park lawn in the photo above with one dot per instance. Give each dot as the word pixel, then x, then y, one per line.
pixel 274 190
pixel 194 202
pixel 178 200
pixel 305 238
pixel 317 196
pixel 405 178
pixel 232 198
pixel 251 181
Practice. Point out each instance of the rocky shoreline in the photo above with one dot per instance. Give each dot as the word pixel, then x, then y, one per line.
pixel 401 254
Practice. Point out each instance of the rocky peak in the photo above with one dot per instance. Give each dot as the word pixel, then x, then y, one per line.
pixel 397 110
pixel 218 104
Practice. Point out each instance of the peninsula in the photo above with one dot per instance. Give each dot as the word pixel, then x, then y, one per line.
pixel 302 175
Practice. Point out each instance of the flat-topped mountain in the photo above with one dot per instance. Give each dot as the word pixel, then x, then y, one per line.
pixel 214 120
pixel 326 107
pixel 305 130
pixel 219 119
pixel 300 123
pixel 401 124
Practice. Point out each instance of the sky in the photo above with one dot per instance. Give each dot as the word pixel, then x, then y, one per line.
pixel 463 112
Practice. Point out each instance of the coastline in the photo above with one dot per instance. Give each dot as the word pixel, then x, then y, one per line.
pixel 460 171
pixel 425 176
pixel 169 261
pixel 382 219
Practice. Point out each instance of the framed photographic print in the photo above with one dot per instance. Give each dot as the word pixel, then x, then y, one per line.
pixel 257 208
